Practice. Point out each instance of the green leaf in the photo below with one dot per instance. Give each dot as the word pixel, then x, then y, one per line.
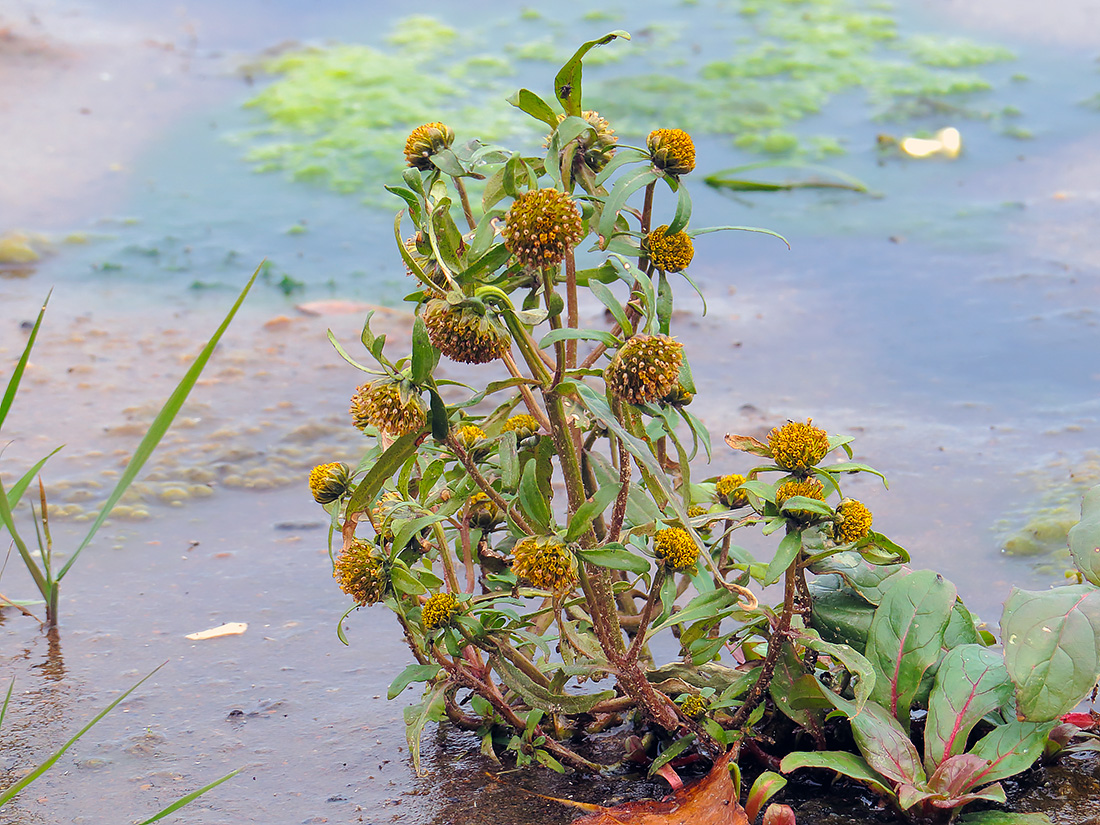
pixel 606 297
pixel 847 764
pixel 531 497
pixel 616 558
pixel 670 753
pixel 567 82
pixel 696 232
pixel 1084 538
pixel 441 420
pixel 412 673
pixel 424 355
pixel 571 334
pixel 448 163
pixel 1002 818
pixel 624 187
pixel 683 209
pixel 971 682
pixel 791 684
pixel 21 367
pixel 787 551
pixel 416 208
pixel 856 663
pixel 527 101
pixel 882 741
pixel 733 179
pixel 50 761
pixel 1052 648
pixel 767 785
pixel 839 613
pixel 540 697
pixel 381 471
pixel 907 636
pixel 417 716
pixel 712 604
pixel 445 237
pixel 509 461
pixel 588 511
pixel 1011 748
pixel 160 425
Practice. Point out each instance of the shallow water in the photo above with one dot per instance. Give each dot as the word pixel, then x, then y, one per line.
pixel 950 325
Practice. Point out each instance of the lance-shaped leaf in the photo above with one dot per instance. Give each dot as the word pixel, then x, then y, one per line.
pixel 797 694
pixel 542 698
pixel 1084 538
pixel 906 637
pixel 856 663
pixel 882 741
pixel 842 762
pixel 1002 818
pixel 1011 748
pixel 388 464
pixel 567 82
pixel 1052 648
pixel 767 785
pixel 971 682
pixel 417 716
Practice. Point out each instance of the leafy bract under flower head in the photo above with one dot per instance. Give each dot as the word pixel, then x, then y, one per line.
pixel 727 492
pixel 358 569
pixel 466 333
pixel 670 253
pixel 545 562
pixel 645 369
pixel 675 548
pixel 853 521
pixel 797 446
pixel 541 226
pixel 379 404
pixel 425 141
pixel 671 150
pixel 806 487
pixel 595 150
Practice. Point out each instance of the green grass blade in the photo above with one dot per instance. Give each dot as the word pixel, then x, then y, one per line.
pixel 44 585
pixel 17 375
pixel 160 425
pixel 20 487
pixel 6 796
pixel 7 701
pixel 191 797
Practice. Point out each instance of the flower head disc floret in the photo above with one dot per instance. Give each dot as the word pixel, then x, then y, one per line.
pixel 523 425
pixel 468 334
pixel 853 521
pixel 806 487
pixel 425 141
pixel 380 404
pixel 797 446
pixel 358 569
pixel 675 548
pixel 669 252
pixel 671 150
pixel 545 562
pixel 645 368
pixel 541 226
pixel 727 492
pixel 329 482
pixel 438 611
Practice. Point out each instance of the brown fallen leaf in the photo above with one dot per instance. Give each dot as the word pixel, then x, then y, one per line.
pixel 228 629
pixel 713 800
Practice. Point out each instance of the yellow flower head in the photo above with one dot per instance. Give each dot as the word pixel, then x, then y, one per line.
pixel 359 571
pixel 671 151
pixel 425 141
pixel 540 226
pixel 670 253
pixel 438 611
pixel 693 706
pixel 379 404
pixel 727 492
pixel 675 548
pixel 796 446
pixel 807 487
pixel 469 434
pixel 329 482
pixel 645 368
pixel 853 521
pixel 523 425
pixel 696 510
pixel 545 562
pixel 465 333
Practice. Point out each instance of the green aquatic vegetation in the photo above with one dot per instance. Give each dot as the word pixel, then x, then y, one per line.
pixel 337 116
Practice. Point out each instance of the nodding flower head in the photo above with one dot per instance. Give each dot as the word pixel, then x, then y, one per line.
pixel 329 482
pixel 545 562
pixel 852 522
pixel 469 334
pixel 438 611
pixel 359 571
pixel 671 151
pixel 669 252
pixel 380 404
pixel 727 492
pixel 425 141
pixel 675 548
pixel 806 487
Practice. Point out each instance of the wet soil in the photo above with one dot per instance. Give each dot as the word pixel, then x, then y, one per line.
pixel 956 347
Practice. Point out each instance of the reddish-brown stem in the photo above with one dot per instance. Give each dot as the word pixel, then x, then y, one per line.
pixel 573 317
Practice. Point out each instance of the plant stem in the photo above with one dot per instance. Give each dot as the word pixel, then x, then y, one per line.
pixel 525 391
pixel 461 187
pixel 647 615
pixel 445 555
pixel 573 317
pixel 486 487
pixel 647 217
